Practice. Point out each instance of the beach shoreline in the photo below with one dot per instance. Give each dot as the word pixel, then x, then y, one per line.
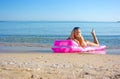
pixel 6 47
pixel 58 66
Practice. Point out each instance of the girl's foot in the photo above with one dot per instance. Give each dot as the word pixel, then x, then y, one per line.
pixel 93 32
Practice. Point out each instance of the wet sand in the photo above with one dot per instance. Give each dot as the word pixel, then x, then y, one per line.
pixel 58 66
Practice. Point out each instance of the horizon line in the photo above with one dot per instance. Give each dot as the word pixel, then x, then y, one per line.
pixel 52 21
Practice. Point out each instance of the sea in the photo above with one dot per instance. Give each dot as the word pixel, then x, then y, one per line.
pixel 44 33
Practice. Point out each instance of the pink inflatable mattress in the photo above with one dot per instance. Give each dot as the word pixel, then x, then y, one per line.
pixel 70 46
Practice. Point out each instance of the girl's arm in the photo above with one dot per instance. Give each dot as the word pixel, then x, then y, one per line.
pixel 82 41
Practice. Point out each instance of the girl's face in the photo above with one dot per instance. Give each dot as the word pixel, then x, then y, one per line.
pixel 77 32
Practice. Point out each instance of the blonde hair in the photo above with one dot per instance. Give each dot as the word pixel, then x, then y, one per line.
pixel 72 35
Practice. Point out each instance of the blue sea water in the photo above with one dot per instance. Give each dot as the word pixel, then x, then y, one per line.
pixel 45 32
pixel 57 28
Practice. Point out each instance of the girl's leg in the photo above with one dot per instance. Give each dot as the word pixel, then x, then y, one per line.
pixel 96 42
pixel 89 43
pixel 94 37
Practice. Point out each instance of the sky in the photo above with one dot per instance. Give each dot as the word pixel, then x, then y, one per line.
pixel 60 10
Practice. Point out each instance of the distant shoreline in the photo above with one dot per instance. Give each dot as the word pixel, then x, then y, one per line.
pixel 118 21
pixel 64 21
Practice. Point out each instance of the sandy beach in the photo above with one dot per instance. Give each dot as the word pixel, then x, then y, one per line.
pixel 58 66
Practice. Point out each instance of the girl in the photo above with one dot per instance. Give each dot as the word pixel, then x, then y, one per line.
pixel 77 37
